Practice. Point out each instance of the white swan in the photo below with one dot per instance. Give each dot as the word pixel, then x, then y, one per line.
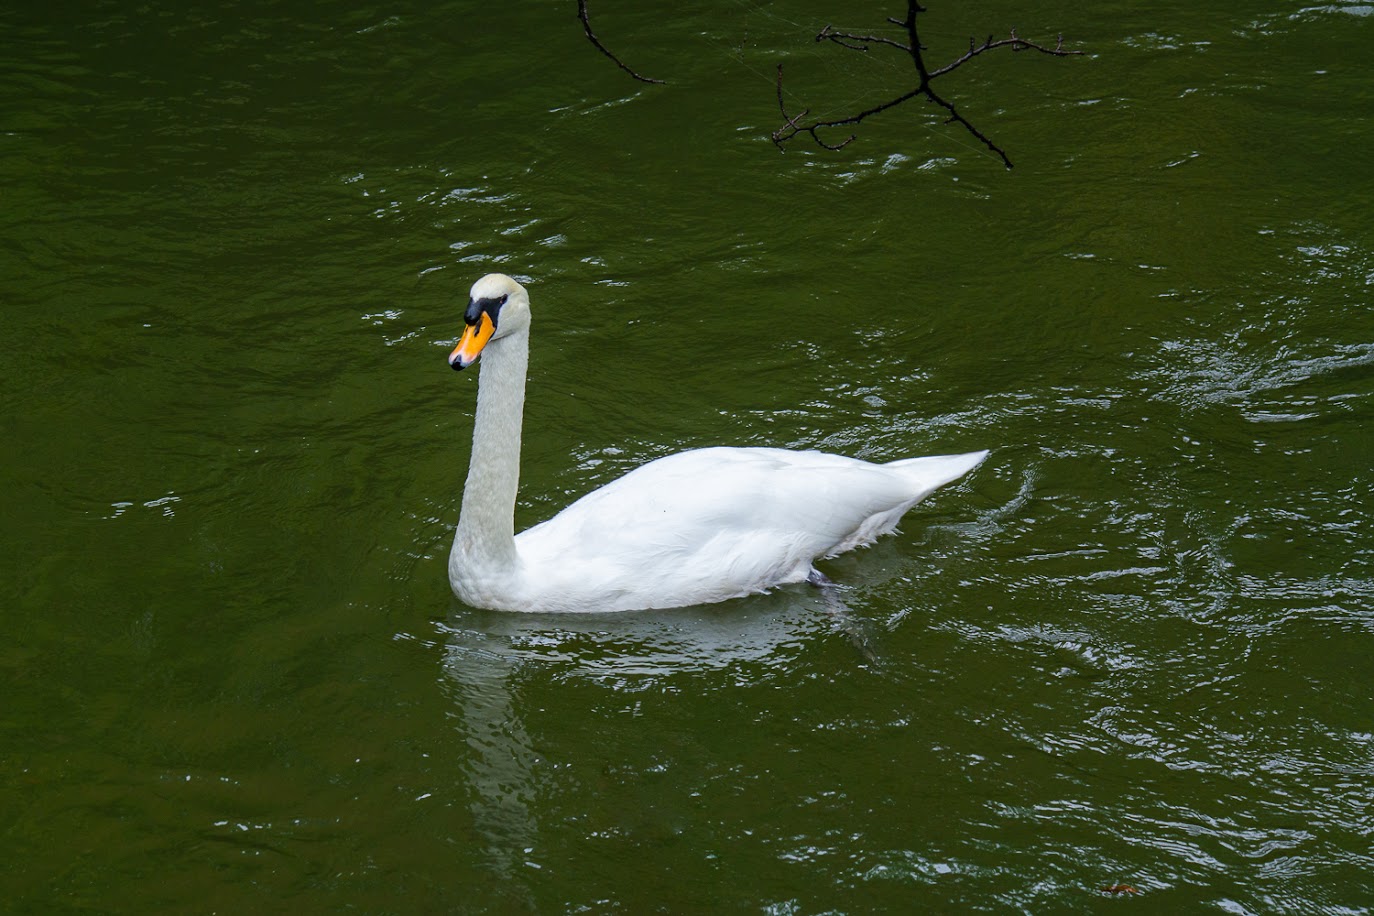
pixel 691 528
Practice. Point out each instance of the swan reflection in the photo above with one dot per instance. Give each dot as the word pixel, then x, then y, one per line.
pixel 488 656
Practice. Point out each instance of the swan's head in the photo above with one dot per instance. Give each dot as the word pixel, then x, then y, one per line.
pixel 497 306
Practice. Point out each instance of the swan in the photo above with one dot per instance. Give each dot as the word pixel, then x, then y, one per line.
pixel 691 528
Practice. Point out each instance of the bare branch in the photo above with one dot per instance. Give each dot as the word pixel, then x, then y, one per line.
pixel 954 116
pixel 591 36
pixel 861 42
pixel 781 135
pixel 924 76
pixel 1015 43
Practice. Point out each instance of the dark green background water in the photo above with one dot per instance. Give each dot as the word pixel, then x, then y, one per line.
pixel 1134 647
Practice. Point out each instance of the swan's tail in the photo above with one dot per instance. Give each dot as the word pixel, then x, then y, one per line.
pixel 934 471
pixel 921 476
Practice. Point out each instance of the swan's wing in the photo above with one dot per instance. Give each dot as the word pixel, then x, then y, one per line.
pixel 735 519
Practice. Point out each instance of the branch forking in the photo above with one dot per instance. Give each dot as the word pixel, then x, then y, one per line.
pixel 794 125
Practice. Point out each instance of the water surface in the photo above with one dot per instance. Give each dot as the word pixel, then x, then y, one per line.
pixel 1131 649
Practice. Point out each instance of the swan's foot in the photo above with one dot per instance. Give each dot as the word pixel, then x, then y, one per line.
pixel 820 579
pixel 855 630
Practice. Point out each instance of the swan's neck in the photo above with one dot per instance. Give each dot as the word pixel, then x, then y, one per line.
pixel 485 542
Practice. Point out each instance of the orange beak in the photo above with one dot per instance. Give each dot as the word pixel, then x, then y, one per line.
pixel 475 337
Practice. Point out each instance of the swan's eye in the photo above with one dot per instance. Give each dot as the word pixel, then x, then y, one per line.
pixel 492 307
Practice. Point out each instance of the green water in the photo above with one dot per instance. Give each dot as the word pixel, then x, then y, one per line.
pixel 1133 648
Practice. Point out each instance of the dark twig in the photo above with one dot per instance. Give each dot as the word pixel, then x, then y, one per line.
pixel 1015 43
pixel 591 36
pixel 924 76
pixel 794 125
pixel 841 39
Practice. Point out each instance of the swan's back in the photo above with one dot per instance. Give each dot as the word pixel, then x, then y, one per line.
pixel 718 523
